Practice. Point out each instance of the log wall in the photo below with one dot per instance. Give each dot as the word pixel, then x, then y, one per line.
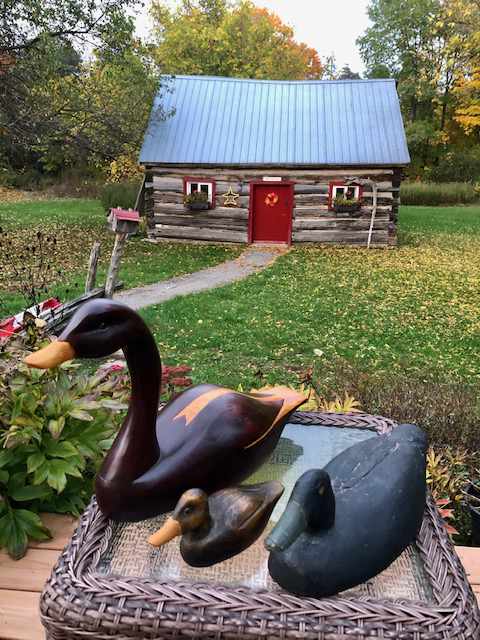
pixel 312 220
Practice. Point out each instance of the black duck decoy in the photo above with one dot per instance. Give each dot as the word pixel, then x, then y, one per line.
pixel 208 436
pixel 346 523
pixel 217 527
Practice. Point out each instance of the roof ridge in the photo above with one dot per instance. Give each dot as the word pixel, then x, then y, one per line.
pixel 266 81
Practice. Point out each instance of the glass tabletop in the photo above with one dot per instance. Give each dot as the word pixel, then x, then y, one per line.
pixel 300 448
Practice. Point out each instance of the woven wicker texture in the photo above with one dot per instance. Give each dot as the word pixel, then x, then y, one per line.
pixel 85 599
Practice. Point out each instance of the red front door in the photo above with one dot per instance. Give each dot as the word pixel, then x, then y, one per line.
pixel 271 205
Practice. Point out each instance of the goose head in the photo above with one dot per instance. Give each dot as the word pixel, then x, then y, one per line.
pixel 190 514
pixel 98 329
pixel 310 509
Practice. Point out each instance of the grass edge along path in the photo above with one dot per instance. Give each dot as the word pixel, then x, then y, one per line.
pixel 76 223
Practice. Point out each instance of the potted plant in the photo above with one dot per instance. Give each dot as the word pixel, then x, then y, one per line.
pixel 346 205
pixel 197 201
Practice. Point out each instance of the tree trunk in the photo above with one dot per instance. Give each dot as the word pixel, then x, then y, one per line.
pixel 443 119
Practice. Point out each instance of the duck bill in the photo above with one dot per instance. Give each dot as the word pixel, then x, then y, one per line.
pixel 171 529
pixel 287 529
pixel 51 356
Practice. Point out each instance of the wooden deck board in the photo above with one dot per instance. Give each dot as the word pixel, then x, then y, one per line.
pixel 22 581
pixel 29 573
pixel 19 616
pixel 61 528
pixel 470 557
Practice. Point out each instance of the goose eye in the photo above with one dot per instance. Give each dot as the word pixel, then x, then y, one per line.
pixel 102 325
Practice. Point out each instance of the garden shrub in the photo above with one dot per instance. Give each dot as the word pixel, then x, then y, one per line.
pixel 457 166
pixel 27 180
pixel 125 168
pixel 431 194
pixel 122 194
pixel 28 264
pixel 449 411
pixel 55 427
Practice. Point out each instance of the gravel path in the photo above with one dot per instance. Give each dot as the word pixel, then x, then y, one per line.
pixel 253 259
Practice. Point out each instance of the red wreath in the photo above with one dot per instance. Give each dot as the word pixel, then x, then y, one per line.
pixel 271 199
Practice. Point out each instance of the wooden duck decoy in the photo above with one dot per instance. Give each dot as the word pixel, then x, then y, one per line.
pixel 208 436
pixel 219 527
pixel 346 523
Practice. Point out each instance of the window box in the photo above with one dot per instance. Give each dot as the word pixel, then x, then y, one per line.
pixel 199 193
pixel 345 198
pixel 198 206
pixel 197 201
pixel 342 205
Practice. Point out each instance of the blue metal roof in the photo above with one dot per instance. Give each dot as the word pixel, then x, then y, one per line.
pixel 232 121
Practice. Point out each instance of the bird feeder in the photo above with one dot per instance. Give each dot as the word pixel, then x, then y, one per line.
pixel 124 220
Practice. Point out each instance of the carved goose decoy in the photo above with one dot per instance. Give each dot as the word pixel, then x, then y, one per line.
pixel 217 527
pixel 208 436
pixel 348 522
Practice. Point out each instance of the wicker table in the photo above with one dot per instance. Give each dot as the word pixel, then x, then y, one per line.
pixel 109 584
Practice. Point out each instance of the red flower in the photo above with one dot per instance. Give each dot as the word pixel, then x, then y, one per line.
pixel 181 382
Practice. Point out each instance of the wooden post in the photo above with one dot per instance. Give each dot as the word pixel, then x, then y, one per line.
pixel 92 267
pixel 374 212
pixel 120 239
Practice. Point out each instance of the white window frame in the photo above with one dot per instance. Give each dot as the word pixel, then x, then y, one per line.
pixel 345 186
pixel 209 185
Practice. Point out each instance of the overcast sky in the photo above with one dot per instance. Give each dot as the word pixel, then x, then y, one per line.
pixel 330 26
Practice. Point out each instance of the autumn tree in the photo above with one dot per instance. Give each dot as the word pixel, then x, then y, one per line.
pixel 463 18
pixel 100 112
pixel 401 41
pixel 215 37
pixel 417 43
pixel 41 42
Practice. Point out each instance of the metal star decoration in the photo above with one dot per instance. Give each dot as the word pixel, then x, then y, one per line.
pixel 230 199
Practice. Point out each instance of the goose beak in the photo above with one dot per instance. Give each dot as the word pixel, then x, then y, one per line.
pixel 171 529
pixel 51 356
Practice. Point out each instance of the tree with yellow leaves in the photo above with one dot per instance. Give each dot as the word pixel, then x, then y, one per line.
pixel 464 18
pixel 215 37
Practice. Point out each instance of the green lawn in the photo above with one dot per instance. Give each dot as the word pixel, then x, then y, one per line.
pixel 414 308
pixel 76 223
pixel 411 314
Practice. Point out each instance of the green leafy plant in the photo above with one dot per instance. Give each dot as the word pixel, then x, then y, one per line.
pixel 348 202
pixel 447 473
pixel 55 427
pixel 196 196
pixel 347 404
pixel 341 204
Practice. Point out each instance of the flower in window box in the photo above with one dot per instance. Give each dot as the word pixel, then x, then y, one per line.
pixel 346 205
pixel 197 200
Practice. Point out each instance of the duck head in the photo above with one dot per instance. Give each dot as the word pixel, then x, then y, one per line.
pixel 97 329
pixel 311 508
pixel 190 514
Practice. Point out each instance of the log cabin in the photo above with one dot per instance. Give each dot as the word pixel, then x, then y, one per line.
pixel 268 161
